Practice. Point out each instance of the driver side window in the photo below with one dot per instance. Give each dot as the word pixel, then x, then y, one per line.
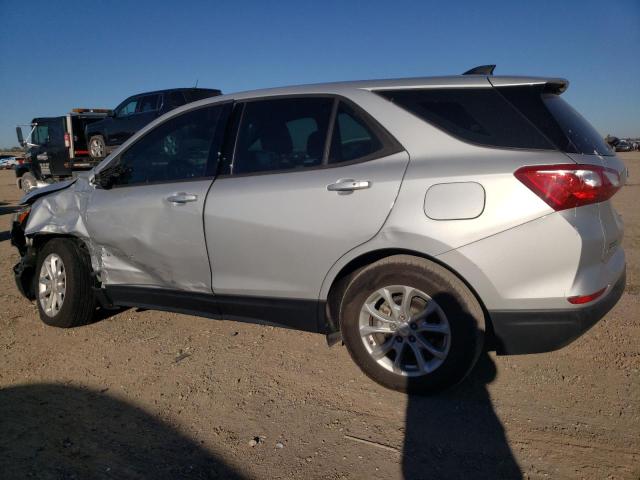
pixel 128 108
pixel 179 149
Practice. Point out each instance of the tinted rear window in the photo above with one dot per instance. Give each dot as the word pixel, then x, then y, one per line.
pixel 515 117
pixel 556 119
pixel 477 115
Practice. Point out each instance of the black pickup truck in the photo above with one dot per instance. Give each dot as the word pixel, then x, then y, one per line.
pixel 134 113
pixel 56 147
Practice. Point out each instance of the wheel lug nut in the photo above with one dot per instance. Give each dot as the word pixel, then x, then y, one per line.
pixel 413 326
pixel 412 338
pixel 399 339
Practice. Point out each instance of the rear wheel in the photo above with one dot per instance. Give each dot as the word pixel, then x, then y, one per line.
pixel 411 325
pixel 63 284
pixel 97 147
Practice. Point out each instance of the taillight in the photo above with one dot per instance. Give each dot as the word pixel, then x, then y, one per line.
pixel 571 185
pixel 67 140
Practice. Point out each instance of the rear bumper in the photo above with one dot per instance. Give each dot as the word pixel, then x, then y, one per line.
pixel 536 331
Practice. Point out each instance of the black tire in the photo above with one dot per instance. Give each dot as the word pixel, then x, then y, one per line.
pixel 78 304
pixel 27 182
pixel 98 140
pixel 462 310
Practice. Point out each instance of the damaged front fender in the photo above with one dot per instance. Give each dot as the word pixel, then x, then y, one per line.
pixel 61 210
pixel 33 195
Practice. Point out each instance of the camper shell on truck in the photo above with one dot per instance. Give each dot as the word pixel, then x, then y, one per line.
pixel 57 146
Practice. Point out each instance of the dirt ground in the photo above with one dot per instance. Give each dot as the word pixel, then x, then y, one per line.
pixel 159 395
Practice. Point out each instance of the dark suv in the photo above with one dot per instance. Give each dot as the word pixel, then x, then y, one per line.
pixel 134 113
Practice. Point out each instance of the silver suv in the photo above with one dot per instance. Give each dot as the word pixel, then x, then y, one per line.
pixel 416 220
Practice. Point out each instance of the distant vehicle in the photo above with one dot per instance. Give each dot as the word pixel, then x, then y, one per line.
pixel 134 113
pixel 57 147
pixel 8 162
pixel 23 166
pixel 623 146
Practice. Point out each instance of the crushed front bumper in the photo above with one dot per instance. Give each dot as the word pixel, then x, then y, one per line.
pixel 24 270
pixel 536 331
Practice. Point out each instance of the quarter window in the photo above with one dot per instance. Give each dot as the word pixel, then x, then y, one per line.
pixel 478 115
pixel 282 134
pixel 173 100
pixel 352 138
pixel 178 149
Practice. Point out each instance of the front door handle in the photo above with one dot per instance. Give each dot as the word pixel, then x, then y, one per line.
pixel 348 185
pixel 182 197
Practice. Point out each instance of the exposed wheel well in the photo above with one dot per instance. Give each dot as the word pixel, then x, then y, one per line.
pixel 30 257
pixel 341 281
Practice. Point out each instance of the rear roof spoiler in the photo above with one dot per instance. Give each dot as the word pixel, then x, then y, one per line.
pixel 481 70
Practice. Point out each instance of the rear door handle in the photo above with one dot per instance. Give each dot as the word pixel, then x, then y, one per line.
pixel 182 197
pixel 348 185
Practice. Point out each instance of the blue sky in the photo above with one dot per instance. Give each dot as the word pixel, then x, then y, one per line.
pixel 58 55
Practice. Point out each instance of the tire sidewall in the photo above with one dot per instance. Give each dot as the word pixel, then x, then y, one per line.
pixel 67 252
pixel 464 315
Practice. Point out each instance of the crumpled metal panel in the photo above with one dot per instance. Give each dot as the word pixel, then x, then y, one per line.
pixel 33 195
pixel 63 212
pixel 131 246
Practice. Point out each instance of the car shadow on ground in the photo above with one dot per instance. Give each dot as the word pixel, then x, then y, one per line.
pixel 458 434
pixel 57 431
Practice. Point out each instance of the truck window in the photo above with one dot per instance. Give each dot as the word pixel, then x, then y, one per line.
pixel 149 103
pixel 173 100
pixel 40 135
pixel 127 107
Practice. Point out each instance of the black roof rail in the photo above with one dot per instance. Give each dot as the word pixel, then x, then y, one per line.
pixel 481 70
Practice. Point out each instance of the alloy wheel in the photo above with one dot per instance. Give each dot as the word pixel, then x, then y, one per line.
pixel 404 330
pixel 52 284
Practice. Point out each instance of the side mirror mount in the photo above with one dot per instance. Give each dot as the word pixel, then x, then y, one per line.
pixel 110 175
pixel 103 180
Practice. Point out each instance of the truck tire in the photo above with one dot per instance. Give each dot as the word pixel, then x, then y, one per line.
pixel 411 325
pixel 97 147
pixel 63 284
pixel 28 182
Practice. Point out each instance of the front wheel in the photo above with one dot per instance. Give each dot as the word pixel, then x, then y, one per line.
pixel 97 147
pixel 411 325
pixel 28 182
pixel 64 291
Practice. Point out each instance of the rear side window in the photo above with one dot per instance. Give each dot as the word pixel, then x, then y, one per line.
pixel 282 134
pixel 173 99
pixel 352 139
pixel 477 115
pixel 556 119
pixel 149 103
